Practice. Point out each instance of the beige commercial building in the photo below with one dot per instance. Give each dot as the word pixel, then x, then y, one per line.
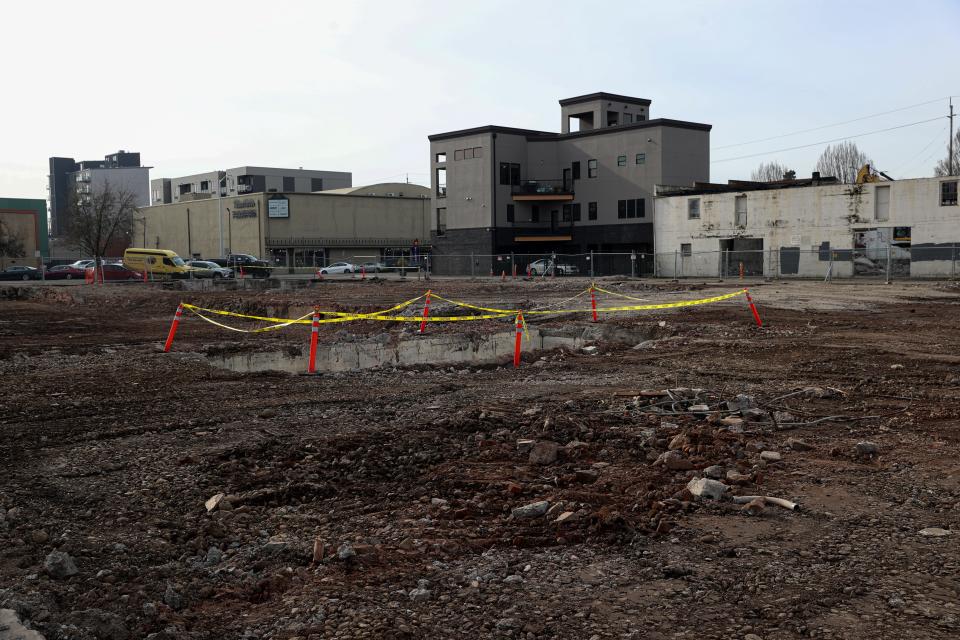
pixel 294 229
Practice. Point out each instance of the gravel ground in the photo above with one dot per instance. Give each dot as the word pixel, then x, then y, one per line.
pixel 151 495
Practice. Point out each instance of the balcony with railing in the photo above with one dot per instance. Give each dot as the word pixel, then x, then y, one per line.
pixel 543 190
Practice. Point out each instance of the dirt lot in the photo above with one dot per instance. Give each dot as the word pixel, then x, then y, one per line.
pixel 406 502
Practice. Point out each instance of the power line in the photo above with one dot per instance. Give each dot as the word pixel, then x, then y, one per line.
pixel 828 126
pixel 909 164
pixel 814 144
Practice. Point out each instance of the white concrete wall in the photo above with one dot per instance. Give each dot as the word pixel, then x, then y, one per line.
pixel 805 217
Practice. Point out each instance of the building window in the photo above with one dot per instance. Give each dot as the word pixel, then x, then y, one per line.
pixel 693 209
pixel 948 193
pixel 478 152
pixel 185 188
pixel 641 158
pixel 576 211
pixel 567 213
pixel 316 184
pixel 621 161
pixel 515 175
pixel 627 118
pixel 534 213
pixel 441 221
pixel 510 213
pixel 442 182
pixel 504 173
pixel 631 208
pixel 204 186
pixel 289 184
pixel 591 211
pixel 740 211
pixel 458 155
pixel 468 154
pixel 576 170
pixel 510 173
pixel 591 168
pixel 621 208
pixel 442 156
pixel 686 250
pixel 641 208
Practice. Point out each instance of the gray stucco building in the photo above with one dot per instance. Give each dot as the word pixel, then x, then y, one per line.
pixel 497 190
pixel 242 180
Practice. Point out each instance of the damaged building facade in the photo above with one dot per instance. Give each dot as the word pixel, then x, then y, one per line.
pixel 809 228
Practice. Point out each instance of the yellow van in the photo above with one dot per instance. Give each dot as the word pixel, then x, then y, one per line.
pixel 157 262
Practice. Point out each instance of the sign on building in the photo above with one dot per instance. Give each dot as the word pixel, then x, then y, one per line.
pixel 278 208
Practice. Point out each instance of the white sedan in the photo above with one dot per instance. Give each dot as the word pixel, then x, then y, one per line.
pixel 339 267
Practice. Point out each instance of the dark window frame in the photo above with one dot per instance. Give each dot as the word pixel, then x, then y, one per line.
pixel 534 213
pixel 511 213
pixel 621 161
pixel 457 155
pixel 686 249
pixel 593 170
pixel 621 209
pixel 690 208
pixel 575 206
pixel 575 166
pixel 478 152
pixel 591 211
pixel 632 208
pixel 514 174
pixel 567 213
pixel 441 189
pixel 441 228
pixel 948 196
pixel 641 158
pixel 440 157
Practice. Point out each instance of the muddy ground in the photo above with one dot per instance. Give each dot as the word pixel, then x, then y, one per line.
pixel 408 502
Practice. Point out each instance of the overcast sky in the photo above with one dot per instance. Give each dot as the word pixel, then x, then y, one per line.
pixel 358 86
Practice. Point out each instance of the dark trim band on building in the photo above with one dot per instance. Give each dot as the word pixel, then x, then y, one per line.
pixel 542 136
pixel 600 95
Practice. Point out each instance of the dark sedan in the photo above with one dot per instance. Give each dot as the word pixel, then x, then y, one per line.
pixel 20 272
pixel 117 272
pixel 64 272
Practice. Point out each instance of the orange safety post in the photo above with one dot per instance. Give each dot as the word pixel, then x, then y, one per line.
pixel 363 272
pixel 593 304
pixel 741 271
pixel 426 312
pixel 145 275
pixel 516 344
pixel 753 308
pixel 241 272
pixel 314 333
pixel 528 271
pixel 88 276
pixel 173 328
pixel 503 275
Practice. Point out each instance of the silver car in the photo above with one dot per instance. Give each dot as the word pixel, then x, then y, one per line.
pixel 339 267
pixel 206 269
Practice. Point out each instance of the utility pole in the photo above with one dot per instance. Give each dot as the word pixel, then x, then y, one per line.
pixel 220 210
pixel 950 157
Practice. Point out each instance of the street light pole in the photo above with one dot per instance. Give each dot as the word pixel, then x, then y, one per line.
pixel 220 211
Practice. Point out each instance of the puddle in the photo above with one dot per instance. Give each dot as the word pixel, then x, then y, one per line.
pixel 439 350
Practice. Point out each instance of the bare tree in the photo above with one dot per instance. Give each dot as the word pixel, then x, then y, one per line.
pixel 98 218
pixel 11 244
pixel 771 172
pixel 943 167
pixel 842 161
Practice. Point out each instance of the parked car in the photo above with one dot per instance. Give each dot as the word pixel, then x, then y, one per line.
pixel 207 269
pixel 65 272
pixel 545 266
pixel 252 266
pixel 117 272
pixel 20 272
pixel 81 264
pixel 374 267
pixel 339 267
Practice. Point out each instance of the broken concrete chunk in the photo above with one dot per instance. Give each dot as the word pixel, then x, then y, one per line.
pixel 544 453
pixel 587 476
pixel 699 408
pixel 707 488
pixel 935 532
pixel 798 445
pixel 524 446
pixel 678 441
pixel 770 456
pixel 533 510
pixel 737 478
pixel 12 629
pixel 59 565
pixel 866 449
pixel 674 461
pixel 590 351
pixel 714 471
pixel 214 501
pixel 566 517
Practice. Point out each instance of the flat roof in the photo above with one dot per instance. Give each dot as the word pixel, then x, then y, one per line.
pixel 547 136
pixel 600 95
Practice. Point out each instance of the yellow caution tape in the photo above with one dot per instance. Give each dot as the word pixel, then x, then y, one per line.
pixel 492 313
